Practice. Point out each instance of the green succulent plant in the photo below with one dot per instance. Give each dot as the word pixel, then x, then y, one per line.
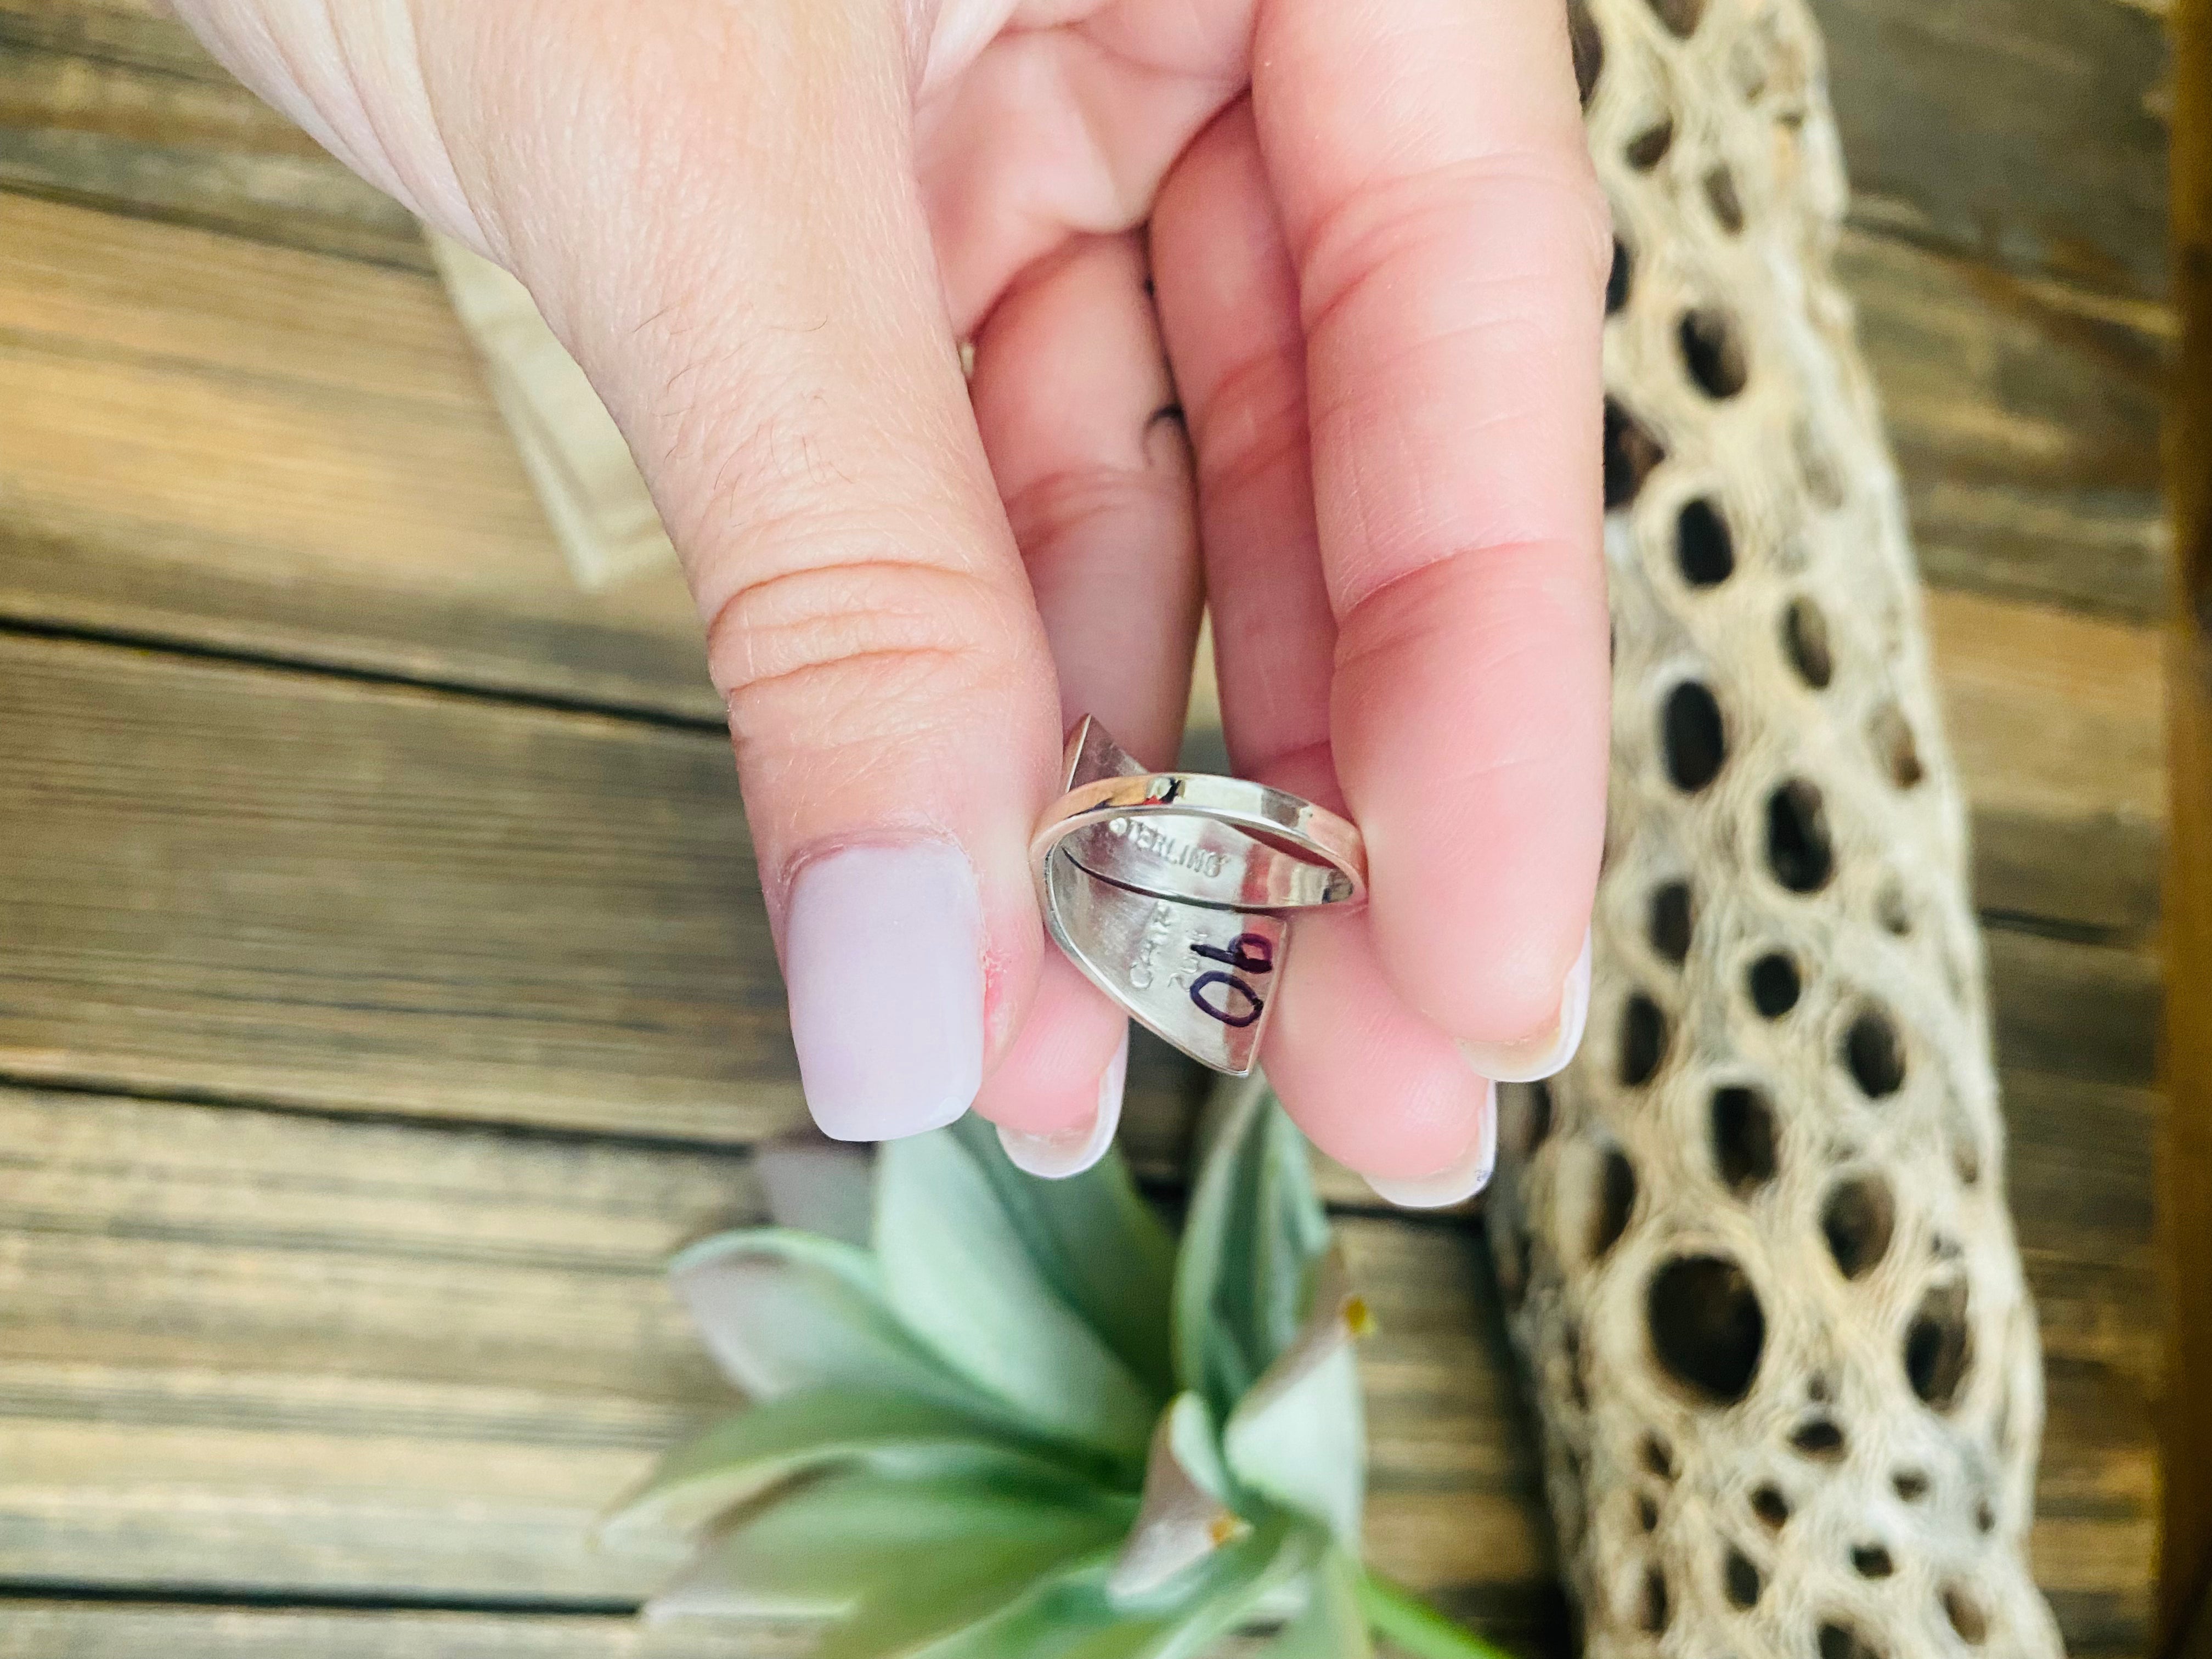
pixel 1017 1423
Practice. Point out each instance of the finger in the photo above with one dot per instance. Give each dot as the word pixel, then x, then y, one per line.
pixel 1085 441
pixel 1428 162
pixel 760 309
pixel 1373 1085
pixel 1072 399
pixel 1227 306
pixel 1065 121
pixel 1371 1082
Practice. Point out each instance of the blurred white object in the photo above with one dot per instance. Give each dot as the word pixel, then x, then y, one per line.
pixel 607 524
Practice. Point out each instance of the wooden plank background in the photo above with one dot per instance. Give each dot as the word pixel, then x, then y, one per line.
pixel 383 992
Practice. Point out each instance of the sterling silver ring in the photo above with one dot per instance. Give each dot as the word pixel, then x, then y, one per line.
pixel 1173 891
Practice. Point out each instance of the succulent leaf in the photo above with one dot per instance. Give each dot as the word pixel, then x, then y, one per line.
pixel 1255 1232
pixel 850 1539
pixel 745 1455
pixel 1083 1622
pixel 1332 1626
pixel 784 1311
pixel 1237 1581
pixel 1100 1246
pixel 958 1272
pixel 950 1616
pixel 1066 1617
pixel 1194 1440
pixel 1298 1438
pixel 947 1455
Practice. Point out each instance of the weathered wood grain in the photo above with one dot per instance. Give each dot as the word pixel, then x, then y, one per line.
pixel 91 1630
pixel 2074 1010
pixel 138 33
pixel 268 1353
pixel 41 1629
pixel 94 1630
pixel 2024 416
pixel 116 106
pixel 290 888
pixel 2055 719
pixel 2025 133
pixel 225 880
pixel 266 452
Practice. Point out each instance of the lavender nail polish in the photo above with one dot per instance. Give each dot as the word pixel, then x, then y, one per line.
pixel 883 963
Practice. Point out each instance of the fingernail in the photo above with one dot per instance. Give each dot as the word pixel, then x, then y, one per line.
pixel 1072 1151
pixel 883 964
pixel 1455 1182
pixel 1534 1058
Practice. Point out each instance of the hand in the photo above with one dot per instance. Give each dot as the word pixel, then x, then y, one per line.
pixel 1376 257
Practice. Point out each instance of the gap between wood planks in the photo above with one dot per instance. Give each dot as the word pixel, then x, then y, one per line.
pixel 1155 1137
pixel 646 714
pixel 34 1591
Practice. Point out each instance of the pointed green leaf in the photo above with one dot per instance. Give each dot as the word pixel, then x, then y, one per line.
pixel 1098 1243
pixel 948 1605
pixel 931 1549
pixel 960 1274
pixel 1331 1626
pixel 1298 1438
pixel 1303 1446
pixel 745 1455
pixel 786 1311
pixel 1254 1231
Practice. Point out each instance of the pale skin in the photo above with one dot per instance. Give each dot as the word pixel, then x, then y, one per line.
pixel 1356 242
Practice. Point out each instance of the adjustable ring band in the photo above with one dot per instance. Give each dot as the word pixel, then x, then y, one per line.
pixel 1196 838
pixel 1173 891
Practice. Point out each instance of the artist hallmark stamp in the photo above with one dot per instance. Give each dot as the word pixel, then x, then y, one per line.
pixel 1157 927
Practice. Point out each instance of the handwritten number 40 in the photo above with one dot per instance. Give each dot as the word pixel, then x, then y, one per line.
pixel 1248 953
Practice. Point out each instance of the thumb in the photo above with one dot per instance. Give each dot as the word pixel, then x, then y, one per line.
pixel 714 207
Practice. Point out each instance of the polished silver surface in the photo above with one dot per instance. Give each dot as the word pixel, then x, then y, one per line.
pixel 1172 892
